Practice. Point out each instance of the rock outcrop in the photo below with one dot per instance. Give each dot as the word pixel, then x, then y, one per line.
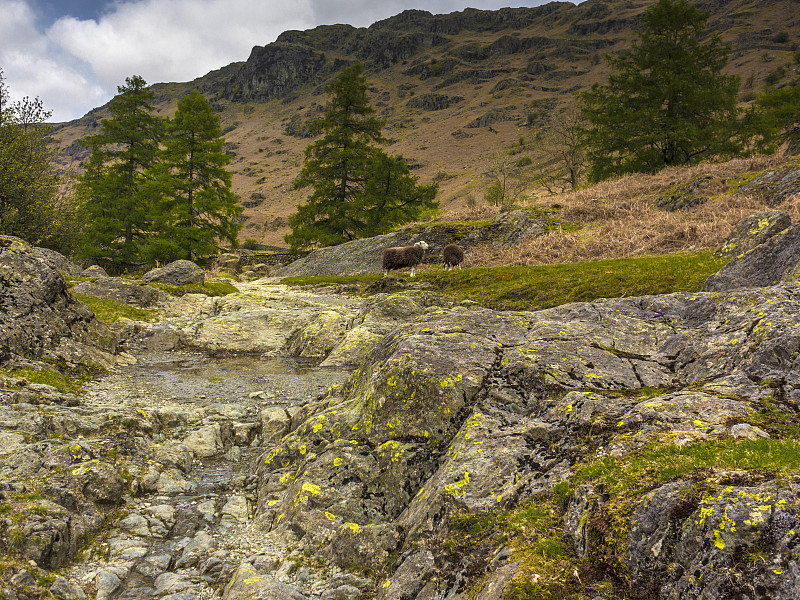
pixel 39 319
pixel 774 261
pixel 350 484
pixel 364 256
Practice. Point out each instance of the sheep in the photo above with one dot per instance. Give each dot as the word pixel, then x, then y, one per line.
pixel 452 256
pixel 403 256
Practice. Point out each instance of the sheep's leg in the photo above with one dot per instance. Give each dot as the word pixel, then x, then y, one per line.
pixel 386 272
pixel 412 271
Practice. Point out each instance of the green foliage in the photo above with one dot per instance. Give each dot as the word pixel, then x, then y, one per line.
pixel 782 113
pixel 31 206
pixel 115 206
pixel 156 190
pixel 359 191
pixel 668 101
pixel 250 244
pixel 189 190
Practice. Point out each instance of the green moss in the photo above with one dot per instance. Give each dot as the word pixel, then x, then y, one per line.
pixel 109 311
pixel 534 288
pixel 209 288
pixel 66 383
pixel 318 280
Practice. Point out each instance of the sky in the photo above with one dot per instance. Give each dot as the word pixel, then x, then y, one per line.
pixel 73 54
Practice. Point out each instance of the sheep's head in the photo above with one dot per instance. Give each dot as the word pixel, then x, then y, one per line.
pixel 422 244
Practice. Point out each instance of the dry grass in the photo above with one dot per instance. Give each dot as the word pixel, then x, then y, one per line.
pixel 619 219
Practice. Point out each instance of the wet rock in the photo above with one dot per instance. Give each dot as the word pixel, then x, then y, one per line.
pixel 179 272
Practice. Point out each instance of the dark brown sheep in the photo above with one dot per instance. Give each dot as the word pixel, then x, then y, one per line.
pixel 403 256
pixel 452 256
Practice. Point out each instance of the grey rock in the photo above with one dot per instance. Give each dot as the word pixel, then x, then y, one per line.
pixel 94 271
pixel 772 262
pixel 774 185
pixel 248 584
pixel 201 545
pixel 179 272
pixel 62 588
pixel 409 578
pixel 754 230
pixel 40 319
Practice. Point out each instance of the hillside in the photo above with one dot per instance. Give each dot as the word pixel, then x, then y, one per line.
pixel 457 90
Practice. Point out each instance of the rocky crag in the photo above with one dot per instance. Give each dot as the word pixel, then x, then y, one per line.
pixel 345 472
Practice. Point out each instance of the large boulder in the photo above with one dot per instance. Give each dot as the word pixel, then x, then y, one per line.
pixel 365 255
pixel 465 410
pixel 38 316
pixel 179 272
pixel 774 261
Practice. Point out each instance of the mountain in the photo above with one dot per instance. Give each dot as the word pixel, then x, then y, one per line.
pixel 457 90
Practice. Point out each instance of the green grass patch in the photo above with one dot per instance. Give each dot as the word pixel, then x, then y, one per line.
pixel 209 288
pixel 109 311
pixel 535 532
pixel 320 280
pixel 66 383
pixel 640 471
pixel 534 288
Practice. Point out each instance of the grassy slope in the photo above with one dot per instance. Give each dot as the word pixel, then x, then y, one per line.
pixel 266 160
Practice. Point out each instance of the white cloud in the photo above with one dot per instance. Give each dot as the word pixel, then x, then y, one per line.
pixel 77 64
pixel 32 68
pixel 175 39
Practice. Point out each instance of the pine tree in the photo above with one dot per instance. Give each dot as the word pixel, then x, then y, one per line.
pixel 359 191
pixel 192 204
pixel 115 206
pixel 668 103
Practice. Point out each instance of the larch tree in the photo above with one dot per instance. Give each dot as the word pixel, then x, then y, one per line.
pixel 358 191
pixel 115 205
pixel 668 101
pixel 192 205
